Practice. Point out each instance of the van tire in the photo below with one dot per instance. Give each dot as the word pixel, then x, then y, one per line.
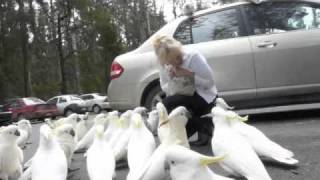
pixel 153 97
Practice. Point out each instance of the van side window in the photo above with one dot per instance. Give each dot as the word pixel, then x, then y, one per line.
pixel 183 33
pixel 278 17
pixel 215 26
pixel 219 25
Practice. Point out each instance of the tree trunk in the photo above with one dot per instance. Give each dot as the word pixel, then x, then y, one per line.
pixel 63 85
pixel 24 48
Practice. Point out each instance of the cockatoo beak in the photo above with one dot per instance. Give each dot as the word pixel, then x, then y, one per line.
pixel 206 160
pixel 17 133
pixel 188 114
pixel 166 166
pixel 244 119
pixel 236 117
pixel 72 133
pixel 163 123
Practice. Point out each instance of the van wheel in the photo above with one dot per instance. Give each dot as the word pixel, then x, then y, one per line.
pixel 153 97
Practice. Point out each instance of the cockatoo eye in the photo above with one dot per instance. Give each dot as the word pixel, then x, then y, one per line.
pixel 172 162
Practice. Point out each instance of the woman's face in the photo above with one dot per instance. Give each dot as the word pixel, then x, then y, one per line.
pixel 175 59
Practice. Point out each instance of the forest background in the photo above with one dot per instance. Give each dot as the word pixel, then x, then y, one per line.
pixel 51 47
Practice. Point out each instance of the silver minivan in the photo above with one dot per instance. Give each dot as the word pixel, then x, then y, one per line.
pixel 261 54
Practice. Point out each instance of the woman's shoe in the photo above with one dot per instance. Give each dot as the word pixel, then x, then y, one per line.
pixel 202 140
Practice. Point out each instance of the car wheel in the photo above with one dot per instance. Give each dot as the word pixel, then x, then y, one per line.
pixel 153 97
pixel 68 112
pixel 96 109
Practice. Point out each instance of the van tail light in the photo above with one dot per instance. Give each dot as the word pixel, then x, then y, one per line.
pixel 116 70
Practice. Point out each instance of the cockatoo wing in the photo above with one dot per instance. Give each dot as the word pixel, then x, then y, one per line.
pixel 240 157
pixel 264 146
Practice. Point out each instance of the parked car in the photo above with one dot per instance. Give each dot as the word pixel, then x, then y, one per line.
pixel 68 104
pixel 30 108
pixel 5 116
pixel 96 102
pixel 261 54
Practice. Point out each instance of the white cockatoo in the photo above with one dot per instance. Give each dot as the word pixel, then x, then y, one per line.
pixel 220 102
pixel 100 158
pixel 66 137
pixel 82 126
pixel 262 145
pixel 178 119
pixel 120 139
pixel 113 124
pixel 25 130
pixel 163 126
pixel 153 121
pixel 86 141
pixel 154 168
pixel 186 164
pixel 11 155
pixel 72 119
pixel 140 147
pixel 49 122
pixel 144 114
pixel 49 161
pixel 119 127
pixel 240 158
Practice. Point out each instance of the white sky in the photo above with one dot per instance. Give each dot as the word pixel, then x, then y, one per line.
pixel 168 7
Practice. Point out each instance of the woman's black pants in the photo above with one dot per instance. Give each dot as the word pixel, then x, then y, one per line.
pixel 197 107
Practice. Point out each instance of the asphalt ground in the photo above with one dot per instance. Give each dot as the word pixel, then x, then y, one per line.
pixel 298 131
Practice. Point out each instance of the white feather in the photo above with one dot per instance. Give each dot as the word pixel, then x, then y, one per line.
pixel 177 122
pixel 11 156
pixel 153 121
pixel 25 129
pixel 65 136
pixel 241 159
pixel 262 145
pixel 100 159
pixel 86 141
pixel 163 126
pixel 49 161
pixel 141 145
pixel 187 165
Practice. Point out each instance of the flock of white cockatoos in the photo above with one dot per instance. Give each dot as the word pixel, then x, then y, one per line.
pixel 130 136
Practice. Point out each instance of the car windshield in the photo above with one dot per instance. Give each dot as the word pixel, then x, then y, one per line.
pixel 99 94
pixel 32 100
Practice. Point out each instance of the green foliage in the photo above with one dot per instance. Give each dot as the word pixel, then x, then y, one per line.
pixel 93 33
pixel 46 91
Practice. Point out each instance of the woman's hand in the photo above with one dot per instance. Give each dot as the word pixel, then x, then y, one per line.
pixel 179 71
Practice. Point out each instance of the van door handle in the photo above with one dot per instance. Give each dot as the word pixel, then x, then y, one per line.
pixel 267 44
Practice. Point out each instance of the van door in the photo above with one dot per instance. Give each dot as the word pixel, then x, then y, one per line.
pixel 286 45
pixel 220 36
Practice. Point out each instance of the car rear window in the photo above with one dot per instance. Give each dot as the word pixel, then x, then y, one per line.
pixel 75 98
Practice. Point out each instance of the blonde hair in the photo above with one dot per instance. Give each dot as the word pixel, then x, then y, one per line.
pixel 166 48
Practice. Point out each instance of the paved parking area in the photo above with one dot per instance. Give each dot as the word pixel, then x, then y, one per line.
pixel 298 132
